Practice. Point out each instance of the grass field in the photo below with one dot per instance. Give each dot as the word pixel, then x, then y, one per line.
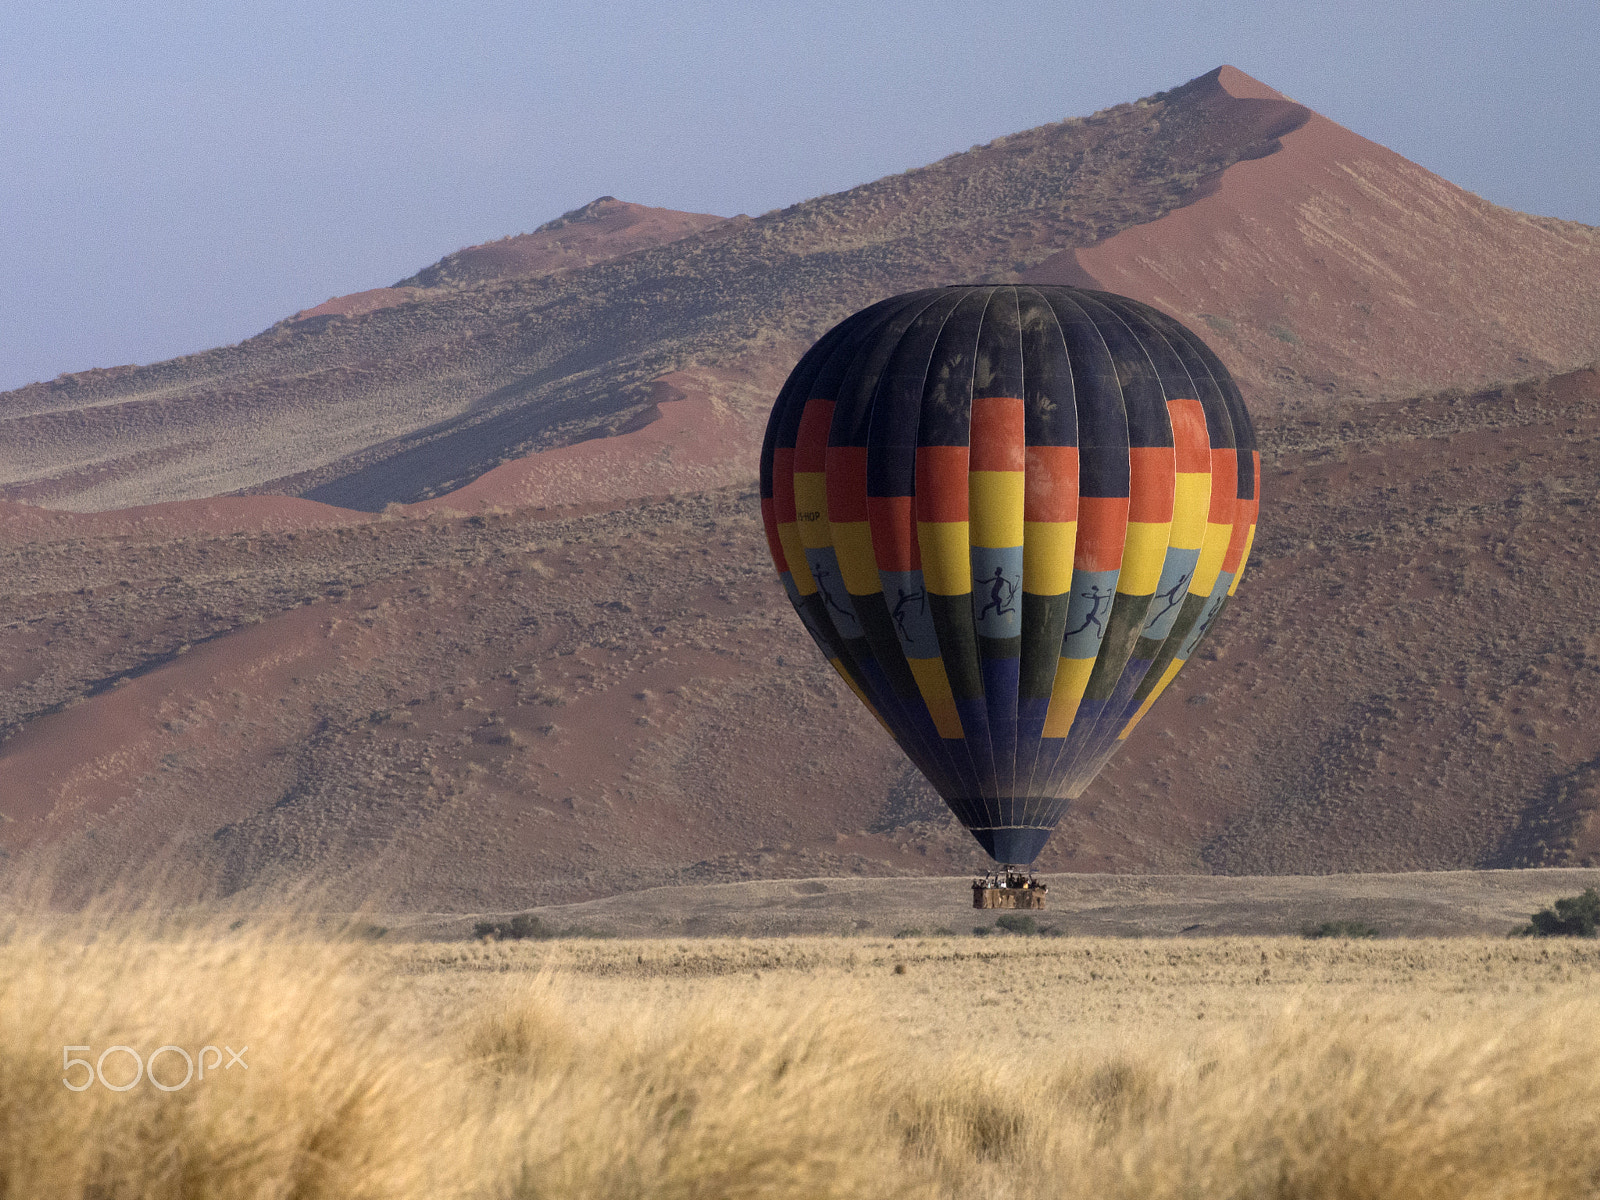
pixel 851 1067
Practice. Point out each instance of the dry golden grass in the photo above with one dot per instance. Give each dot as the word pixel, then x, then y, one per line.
pixel 801 1068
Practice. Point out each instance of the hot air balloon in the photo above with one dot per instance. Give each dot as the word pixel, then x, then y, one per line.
pixel 1007 515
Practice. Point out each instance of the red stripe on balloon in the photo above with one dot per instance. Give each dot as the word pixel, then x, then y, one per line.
pixel 783 485
pixel 999 434
pixel 1224 486
pixel 811 442
pixel 847 483
pixel 1152 482
pixel 769 520
pixel 1102 528
pixel 1051 490
pixel 942 483
pixel 1189 435
pixel 894 533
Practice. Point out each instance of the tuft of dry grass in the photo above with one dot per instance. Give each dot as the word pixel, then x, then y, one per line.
pixel 676 1105
pixel 328 1097
pixel 586 1071
pixel 1382 1104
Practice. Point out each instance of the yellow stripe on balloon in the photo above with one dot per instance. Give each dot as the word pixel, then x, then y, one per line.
pixel 811 509
pixel 852 543
pixel 995 498
pixel 934 685
pixel 1047 552
pixel 946 557
pixel 1191 504
pixel 1072 677
pixel 794 554
pixel 1144 550
pixel 1249 540
pixel 1212 551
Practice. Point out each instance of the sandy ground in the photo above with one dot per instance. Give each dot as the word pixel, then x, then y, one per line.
pixel 1414 904
pixel 516 709
pixel 1016 999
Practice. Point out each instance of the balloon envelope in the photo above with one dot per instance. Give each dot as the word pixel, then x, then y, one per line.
pixel 1007 515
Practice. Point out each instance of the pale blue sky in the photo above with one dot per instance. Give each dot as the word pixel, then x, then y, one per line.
pixel 175 176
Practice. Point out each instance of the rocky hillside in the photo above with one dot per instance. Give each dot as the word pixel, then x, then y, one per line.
pixel 576 674
pixel 521 707
pixel 1323 264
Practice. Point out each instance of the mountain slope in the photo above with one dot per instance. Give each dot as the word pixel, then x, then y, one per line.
pixel 1336 267
pixel 528 707
pixel 534 688
pixel 418 397
pixel 602 229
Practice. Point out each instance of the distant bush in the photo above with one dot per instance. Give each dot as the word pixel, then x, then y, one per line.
pixel 1341 929
pixel 980 931
pixel 1572 916
pixel 909 932
pixel 1024 925
pixel 515 930
pixel 531 928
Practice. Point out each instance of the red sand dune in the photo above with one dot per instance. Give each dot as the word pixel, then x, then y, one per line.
pixel 1336 264
pixel 705 433
pixel 178 518
pixel 358 304
pixel 1318 265
pixel 1329 260
pixel 71 766
pixel 604 228
pixel 601 229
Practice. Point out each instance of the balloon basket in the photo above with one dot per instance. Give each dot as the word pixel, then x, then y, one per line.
pixel 1008 889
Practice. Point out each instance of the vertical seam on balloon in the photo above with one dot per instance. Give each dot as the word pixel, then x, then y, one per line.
pixel 1035 808
pixel 1062 761
pixel 964 750
pixel 975 734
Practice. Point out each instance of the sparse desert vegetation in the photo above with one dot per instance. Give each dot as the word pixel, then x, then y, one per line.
pixel 850 1067
pixel 526 709
pixel 469 717
pixel 472 367
pixel 561 335
pixel 1570 916
pixel 510 706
